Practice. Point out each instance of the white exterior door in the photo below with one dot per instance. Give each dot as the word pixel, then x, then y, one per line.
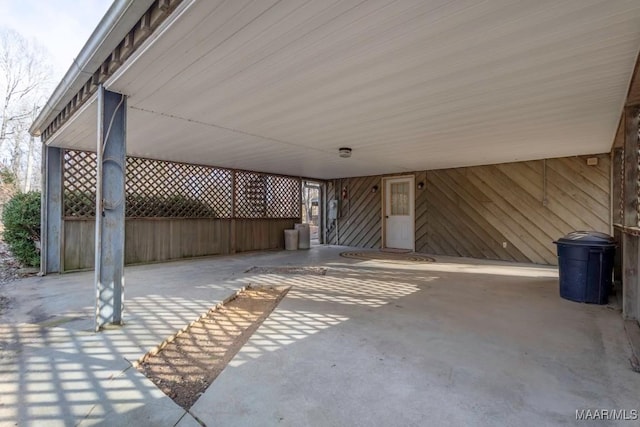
pixel 399 213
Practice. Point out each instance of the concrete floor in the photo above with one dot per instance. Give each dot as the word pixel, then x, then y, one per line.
pixel 456 342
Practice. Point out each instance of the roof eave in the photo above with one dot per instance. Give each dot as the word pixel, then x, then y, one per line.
pixel 113 27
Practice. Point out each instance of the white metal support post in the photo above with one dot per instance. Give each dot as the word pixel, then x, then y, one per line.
pixel 110 207
pixel 51 211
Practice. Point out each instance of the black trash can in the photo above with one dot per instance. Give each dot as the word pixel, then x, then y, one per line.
pixel 585 260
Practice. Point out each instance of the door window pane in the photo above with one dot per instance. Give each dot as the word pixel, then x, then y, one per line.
pixel 400 198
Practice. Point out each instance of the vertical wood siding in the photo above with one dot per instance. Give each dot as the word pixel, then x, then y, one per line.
pixel 153 240
pixel 473 211
pixel 617 214
pixel 78 249
pixel 259 234
pixel 148 240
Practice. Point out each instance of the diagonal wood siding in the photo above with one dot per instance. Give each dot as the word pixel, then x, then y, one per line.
pixel 493 212
pixel 475 211
pixel 359 221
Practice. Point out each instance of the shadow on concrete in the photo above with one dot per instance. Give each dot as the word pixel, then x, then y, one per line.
pixel 453 342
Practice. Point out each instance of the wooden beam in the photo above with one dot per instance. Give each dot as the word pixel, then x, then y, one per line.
pixel 232 224
pixel 630 303
pixel 630 277
pixel 115 61
pixel 631 166
pixel 151 19
pixel 145 24
pixel 633 94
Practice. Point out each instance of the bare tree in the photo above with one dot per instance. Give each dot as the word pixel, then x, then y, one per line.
pixel 25 74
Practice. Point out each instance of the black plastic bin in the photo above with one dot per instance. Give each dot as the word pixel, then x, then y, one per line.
pixel 585 259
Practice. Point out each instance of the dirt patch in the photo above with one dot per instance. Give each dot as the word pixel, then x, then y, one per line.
pixel 184 367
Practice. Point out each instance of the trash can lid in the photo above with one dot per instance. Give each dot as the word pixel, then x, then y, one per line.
pixel 590 238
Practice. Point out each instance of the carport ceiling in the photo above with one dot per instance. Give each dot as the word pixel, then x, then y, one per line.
pixel 279 86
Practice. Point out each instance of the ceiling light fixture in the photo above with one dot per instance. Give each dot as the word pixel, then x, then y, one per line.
pixel 344 152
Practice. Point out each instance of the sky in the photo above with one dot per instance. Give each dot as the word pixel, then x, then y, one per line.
pixel 61 26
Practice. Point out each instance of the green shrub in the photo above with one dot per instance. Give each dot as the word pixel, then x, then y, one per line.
pixel 82 204
pixel 21 219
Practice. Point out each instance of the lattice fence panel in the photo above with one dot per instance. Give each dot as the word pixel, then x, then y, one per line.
pixel 162 189
pixel 177 190
pixel 266 196
pixel 79 184
pixel 251 195
pixel 283 197
pixel 619 159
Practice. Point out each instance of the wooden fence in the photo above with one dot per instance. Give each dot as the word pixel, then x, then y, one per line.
pixel 177 210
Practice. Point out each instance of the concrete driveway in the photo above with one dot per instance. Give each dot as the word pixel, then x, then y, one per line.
pixel 455 342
